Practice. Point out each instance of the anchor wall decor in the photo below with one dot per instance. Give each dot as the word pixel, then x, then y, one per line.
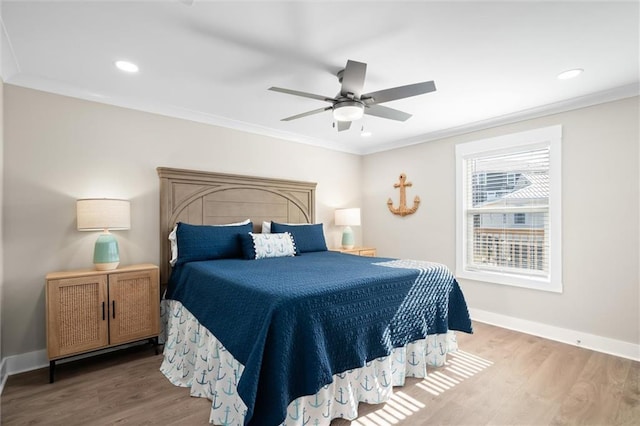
pixel 403 210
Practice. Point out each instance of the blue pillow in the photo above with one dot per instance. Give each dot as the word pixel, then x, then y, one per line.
pixel 262 246
pixel 209 242
pixel 307 237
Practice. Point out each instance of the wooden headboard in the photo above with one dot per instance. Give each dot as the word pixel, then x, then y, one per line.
pixel 204 198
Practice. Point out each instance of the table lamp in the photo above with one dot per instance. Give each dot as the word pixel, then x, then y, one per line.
pixel 347 218
pixel 104 214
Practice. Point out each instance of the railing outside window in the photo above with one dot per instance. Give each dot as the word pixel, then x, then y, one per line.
pixel 513 248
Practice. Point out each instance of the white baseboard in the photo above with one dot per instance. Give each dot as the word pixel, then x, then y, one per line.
pixel 26 362
pixel 3 374
pixel 564 335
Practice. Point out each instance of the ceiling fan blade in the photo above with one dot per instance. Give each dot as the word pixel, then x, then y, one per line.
pixel 305 114
pixel 353 78
pixel 343 125
pixel 401 92
pixel 386 112
pixel 303 94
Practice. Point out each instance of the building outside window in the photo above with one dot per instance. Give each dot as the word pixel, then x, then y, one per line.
pixel 508 210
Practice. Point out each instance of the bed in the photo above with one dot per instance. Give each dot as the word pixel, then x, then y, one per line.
pixel 276 329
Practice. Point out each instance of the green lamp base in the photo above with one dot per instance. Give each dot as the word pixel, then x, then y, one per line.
pixel 348 241
pixel 106 255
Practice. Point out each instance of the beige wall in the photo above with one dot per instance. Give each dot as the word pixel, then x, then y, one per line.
pixel 600 187
pixel 58 149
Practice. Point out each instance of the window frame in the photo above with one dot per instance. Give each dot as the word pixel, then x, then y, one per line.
pixel 523 141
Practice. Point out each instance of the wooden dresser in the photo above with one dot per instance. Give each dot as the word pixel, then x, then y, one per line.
pixel 89 310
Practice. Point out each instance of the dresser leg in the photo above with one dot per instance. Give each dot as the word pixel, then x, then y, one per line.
pixel 52 370
pixel 156 345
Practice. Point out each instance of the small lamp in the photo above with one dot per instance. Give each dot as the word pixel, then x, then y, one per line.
pixel 104 214
pixel 347 218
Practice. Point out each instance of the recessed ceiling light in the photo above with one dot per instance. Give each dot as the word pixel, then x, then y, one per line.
pixel 566 75
pixel 127 66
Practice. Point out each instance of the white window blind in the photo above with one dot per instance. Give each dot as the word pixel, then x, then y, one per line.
pixel 508 209
pixel 508 212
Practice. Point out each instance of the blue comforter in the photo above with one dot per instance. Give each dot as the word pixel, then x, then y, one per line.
pixel 294 322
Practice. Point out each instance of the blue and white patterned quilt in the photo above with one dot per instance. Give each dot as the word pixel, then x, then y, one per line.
pixel 293 322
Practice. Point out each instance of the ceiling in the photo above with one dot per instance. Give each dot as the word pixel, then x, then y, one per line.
pixel 213 61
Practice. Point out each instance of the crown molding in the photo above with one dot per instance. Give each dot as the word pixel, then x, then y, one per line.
pixel 65 89
pixel 617 93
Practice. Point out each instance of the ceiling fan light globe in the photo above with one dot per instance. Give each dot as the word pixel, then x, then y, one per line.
pixel 348 111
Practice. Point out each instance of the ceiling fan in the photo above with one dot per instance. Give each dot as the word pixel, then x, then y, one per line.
pixel 351 104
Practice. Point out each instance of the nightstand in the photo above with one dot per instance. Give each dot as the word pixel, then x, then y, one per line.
pixel 359 251
pixel 89 310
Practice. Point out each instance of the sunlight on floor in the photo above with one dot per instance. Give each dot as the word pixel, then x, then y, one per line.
pixel 460 366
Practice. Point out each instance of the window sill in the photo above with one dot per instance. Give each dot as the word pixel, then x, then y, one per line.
pixel 502 278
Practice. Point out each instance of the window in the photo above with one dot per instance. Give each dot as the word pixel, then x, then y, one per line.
pixel 508 209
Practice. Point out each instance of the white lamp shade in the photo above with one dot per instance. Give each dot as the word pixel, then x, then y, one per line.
pixel 97 214
pixel 347 217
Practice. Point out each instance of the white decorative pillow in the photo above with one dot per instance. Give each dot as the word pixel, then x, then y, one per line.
pixel 174 241
pixel 262 246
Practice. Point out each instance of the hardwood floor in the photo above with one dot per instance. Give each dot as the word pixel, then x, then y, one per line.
pixel 499 377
